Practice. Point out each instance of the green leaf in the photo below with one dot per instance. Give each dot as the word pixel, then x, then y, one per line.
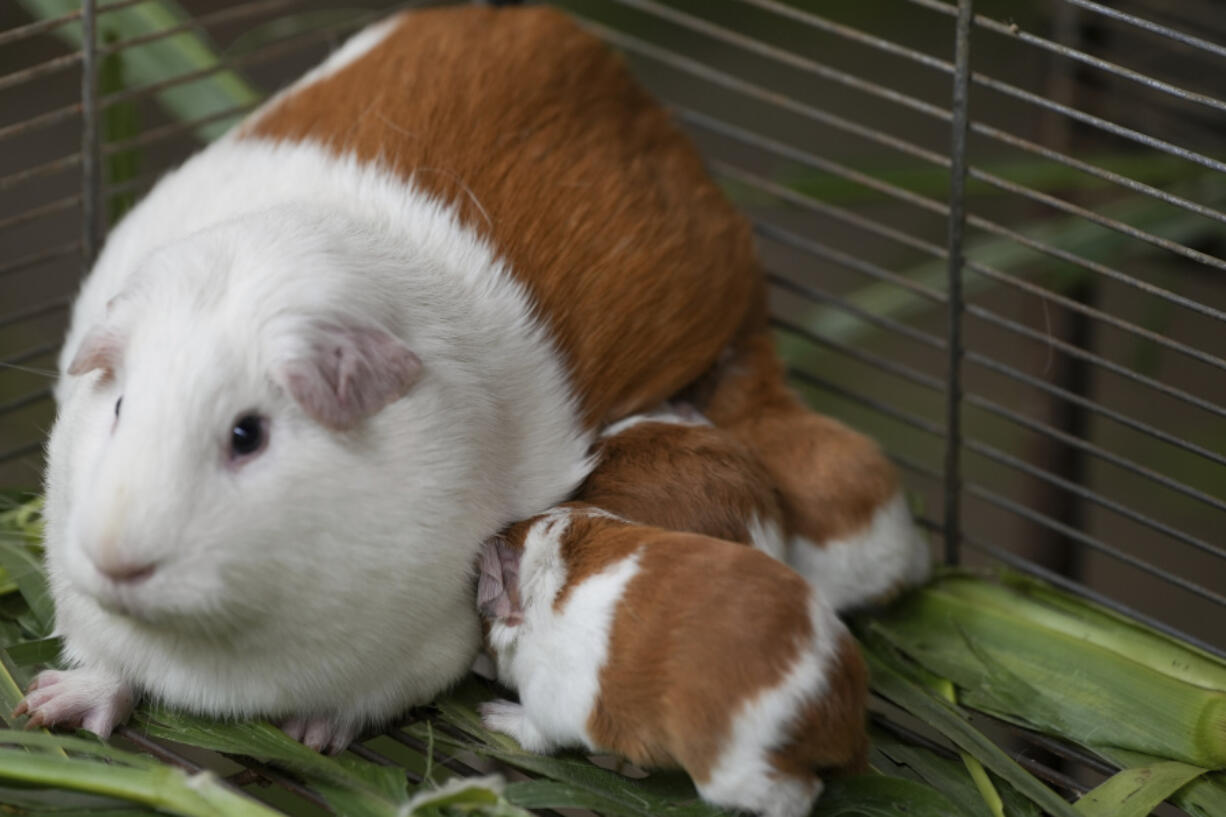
pixel 890 678
pixel 1136 792
pixel 27 572
pixel 172 56
pixel 1203 797
pixel 876 796
pixel 350 784
pixel 478 796
pixel 162 787
pixel 35 653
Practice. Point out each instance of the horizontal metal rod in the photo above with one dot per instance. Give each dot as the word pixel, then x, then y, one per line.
pixel 41 70
pixel 826 72
pixel 1051 341
pixel 908 373
pixel 869 225
pixel 1064 583
pixel 32 353
pixel 992 364
pixel 811 204
pixel 1099 315
pixel 37 310
pixel 25 401
pixel 22 450
pixel 888 46
pixel 815 294
pixel 818 249
pixel 1150 26
pixel 1013 32
pixel 901 194
pixel 203 21
pixel 41 121
pixel 33 259
pixel 991 407
pixel 915 467
pixel 904 417
pixel 1003 458
pixel 35 213
pixel 43 26
pixel 1090 448
pixel 1013 373
pixel 371 756
pixel 1004 503
pixel 37 171
pixel 161 134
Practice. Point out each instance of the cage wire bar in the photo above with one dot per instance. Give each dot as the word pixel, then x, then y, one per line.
pixel 968 421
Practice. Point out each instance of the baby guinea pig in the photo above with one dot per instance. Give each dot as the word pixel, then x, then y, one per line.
pixel 672 649
pixel 670 468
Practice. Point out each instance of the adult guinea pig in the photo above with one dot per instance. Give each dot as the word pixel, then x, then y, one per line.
pixel 672 649
pixel 338 349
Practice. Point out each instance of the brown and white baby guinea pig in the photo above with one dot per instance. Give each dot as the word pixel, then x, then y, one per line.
pixel 672 469
pixel 672 649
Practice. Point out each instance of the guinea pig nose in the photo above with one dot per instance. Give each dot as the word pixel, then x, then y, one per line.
pixel 127 572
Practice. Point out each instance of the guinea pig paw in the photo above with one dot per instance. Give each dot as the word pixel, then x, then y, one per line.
pixel 76 698
pixel 320 732
pixel 511 718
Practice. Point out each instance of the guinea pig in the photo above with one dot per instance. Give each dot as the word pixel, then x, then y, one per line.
pixel 670 468
pixel 334 352
pixel 672 649
pixel 849 529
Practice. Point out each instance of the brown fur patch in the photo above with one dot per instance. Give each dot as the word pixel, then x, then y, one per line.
pixel 687 478
pixel 704 625
pixel 540 137
pixel 830 478
pixel 830 734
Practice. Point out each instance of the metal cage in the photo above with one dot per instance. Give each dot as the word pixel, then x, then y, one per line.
pixel 994 239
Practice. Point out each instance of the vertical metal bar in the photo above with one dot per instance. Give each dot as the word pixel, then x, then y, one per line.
pixel 957 227
pixel 91 142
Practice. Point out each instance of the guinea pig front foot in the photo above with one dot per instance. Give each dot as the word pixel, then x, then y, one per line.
pixel 511 718
pixel 325 734
pixel 76 698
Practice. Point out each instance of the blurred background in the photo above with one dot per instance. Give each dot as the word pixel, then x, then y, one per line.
pixel 1095 407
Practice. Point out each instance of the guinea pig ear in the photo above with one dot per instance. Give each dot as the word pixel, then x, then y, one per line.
pixel 101 349
pixel 349 373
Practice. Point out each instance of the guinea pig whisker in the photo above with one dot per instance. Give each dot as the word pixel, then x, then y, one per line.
pixel 50 373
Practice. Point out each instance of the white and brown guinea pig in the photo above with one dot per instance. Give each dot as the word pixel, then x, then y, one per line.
pixel 672 649
pixel 670 468
pixel 842 521
pixel 848 528
pixel 339 348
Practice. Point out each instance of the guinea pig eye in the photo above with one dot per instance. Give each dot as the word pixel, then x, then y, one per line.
pixel 248 435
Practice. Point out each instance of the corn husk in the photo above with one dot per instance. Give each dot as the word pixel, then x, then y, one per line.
pixel 1088 678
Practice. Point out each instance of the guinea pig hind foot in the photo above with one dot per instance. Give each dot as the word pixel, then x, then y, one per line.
pixel 83 698
pixel 324 734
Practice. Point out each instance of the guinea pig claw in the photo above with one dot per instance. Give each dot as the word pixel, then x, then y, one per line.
pixel 320 732
pixel 78 697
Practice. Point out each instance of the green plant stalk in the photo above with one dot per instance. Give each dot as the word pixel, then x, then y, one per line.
pixel 1135 792
pixel 891 679
pixel 1048 680
pixel 1030 599
pixel 163 787
pixel 991 797
pixel 172 56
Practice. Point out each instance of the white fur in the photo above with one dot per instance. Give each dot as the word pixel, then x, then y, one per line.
pixel 554 657
pixel 664 414
pixel 330 576
pixel 767 536
pixel 743 777
pixel 887 554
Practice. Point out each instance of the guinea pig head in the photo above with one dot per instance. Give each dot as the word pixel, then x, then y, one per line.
pixel 226 430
